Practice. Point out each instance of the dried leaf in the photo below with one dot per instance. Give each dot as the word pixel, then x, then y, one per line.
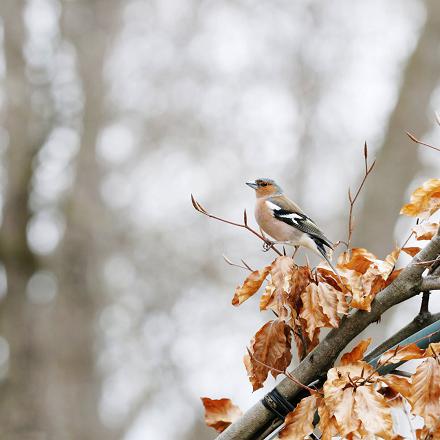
pixel 366 275
pixel 251 284
pixel 326 275
pixel 373 412
pixel 312 311
pixel 343 376
pixel 425 391
pixel 425 231
pixel 424 201
pixel 359 260
pixel 405 353
pixel 304 344
pixel 344 412
pixel 332 302
pixel 279 287
pixel 398 384
pixel 394 274
pixel 270 346
pixel 327 422
pixel 433 350
pixel 220 413
pixel 392 397
pixel 299 422
pixel 357 353
pixel 411 251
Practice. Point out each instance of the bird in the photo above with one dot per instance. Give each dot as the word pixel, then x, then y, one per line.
pixel 283 220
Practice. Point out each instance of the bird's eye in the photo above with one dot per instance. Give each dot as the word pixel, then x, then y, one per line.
pixel 263 184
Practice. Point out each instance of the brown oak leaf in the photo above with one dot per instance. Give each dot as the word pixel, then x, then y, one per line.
pixel 373 412
pixel 278 289
pixel 411 251
pixel 220 413
pixel 425 391
pixel 357 353
pixel 425 200
pixel 327 422
pixel 425 231
pixel 299 422
pixel 251 285
pixel 366 274
pixel 270 347
pixel 405 353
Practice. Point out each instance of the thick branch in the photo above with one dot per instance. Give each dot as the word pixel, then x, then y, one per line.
pixel 430 283
pixel 406 285
pixel 420 321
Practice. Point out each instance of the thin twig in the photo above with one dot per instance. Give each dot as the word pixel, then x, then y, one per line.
pixel 245 266
pixel 286 373
pixel 199 208
pixel 417 141
pixel 352 199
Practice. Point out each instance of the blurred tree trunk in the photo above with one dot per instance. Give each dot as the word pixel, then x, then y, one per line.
pixel 52 388
pixel 397 160
pixel 19 405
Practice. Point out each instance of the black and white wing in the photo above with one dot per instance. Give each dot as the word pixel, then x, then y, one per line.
pixel 285 211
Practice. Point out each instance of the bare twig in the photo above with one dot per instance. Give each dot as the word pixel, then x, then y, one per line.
pixel 199 208
pixel 417 141
pixel 352 199
pixel 245 265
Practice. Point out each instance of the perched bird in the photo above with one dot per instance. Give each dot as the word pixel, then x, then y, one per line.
pixel 284 220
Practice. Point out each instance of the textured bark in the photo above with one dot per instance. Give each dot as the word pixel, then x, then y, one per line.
pixel 386 190
pixel 406 285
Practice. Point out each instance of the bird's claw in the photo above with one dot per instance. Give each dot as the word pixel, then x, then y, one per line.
pixel 267 245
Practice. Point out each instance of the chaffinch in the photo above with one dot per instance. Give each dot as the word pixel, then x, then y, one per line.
pixel 284 220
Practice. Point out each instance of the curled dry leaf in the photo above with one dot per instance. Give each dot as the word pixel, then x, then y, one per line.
pixel 304 344
pixel 373 412
pixel 425 391
pixel 398 354
pixel 425 231
pixel 338 378
pixel 270 347
pixel 424 201
pixel 299 422
pixel 433 350
pixel 220 413
pixel 398 384
pixel 282 293
pixel 327 422
pixel 325 275
pixel 411 251
pixel 312 311
pixel 344 412
pixel 251 284
pixel 357 353
pixel 366 274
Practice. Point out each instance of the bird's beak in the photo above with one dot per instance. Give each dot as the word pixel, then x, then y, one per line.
pixel 252 184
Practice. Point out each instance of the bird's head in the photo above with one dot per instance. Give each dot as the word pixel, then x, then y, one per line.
pixel 265 187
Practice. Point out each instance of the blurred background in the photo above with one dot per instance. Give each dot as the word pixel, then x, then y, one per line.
pixel 115 312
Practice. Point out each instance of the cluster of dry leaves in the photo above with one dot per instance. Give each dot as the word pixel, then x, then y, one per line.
pixel 356 400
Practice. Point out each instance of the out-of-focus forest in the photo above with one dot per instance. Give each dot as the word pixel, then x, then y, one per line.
pixel 115 310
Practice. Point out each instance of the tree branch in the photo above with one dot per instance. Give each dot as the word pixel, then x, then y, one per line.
pixel 405 286
pixel 430 283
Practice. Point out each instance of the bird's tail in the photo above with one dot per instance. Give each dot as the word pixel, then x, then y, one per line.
pixel 327 256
